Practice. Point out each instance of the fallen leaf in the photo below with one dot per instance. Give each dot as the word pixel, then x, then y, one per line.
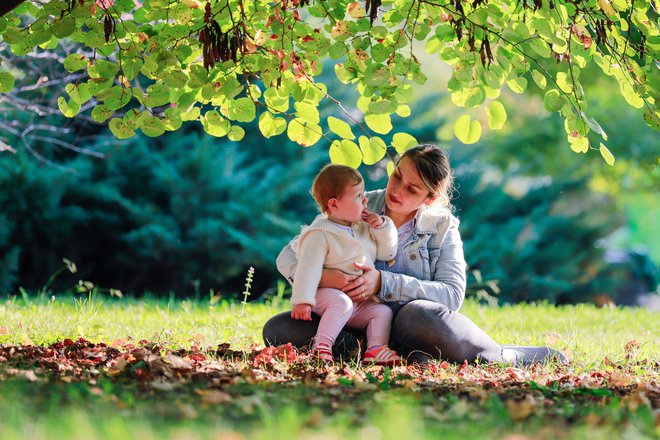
pixel 3 330
pixel 521 409
pixel 620 379
pixel 213 397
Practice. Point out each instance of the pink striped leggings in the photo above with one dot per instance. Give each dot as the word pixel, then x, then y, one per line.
pixel 337 310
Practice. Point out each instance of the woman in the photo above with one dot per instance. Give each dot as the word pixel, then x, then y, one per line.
pixel 424 286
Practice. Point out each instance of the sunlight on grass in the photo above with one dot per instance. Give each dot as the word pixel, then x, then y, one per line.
pixel 585 332
pixel 115 408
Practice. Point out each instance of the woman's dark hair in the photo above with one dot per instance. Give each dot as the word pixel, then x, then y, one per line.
pixel 432 164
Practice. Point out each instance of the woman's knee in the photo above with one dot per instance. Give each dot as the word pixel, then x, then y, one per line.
pixel 281 329
pixel 422 314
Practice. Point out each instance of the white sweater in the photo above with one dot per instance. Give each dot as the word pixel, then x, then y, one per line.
pixel 324 245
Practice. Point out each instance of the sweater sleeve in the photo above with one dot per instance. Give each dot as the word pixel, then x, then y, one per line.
pixel 287 262
pixel 448 278
pixel 386 238
pixel 312 252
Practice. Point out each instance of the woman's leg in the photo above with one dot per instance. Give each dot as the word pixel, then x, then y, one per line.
pixel 376 318
pixel 431 328
pixel 282 329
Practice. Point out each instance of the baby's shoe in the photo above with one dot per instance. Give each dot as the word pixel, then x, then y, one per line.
pixel 382 355
pixel 323 353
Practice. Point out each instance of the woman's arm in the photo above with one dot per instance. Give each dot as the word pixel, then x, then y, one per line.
pixel 448 278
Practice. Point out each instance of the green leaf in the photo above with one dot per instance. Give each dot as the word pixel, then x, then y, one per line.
pixel 496 115
pixel 236 133
pixel 630 95
pixel 373 149
pixel 466 131
pixel 517 85
pixel 607 155
pixel 553 101
pixel 403 142
pixel 121 129
pixel 131 67
pixel 242 110
pixel 564 82
pixel 539 79
pixel 172 120
pixel 6 82
pixel 340 128
pixel 595 126
pixel 379 123
pixel 304 133
pixel 345 152
pixel 157 95
pixel 652 118
pixel 64 27
pixel 151 126
pixel 101 113
pixel 214 124
pixel 337 50
pixel 79 92
pixel 271 126
pixel 308 112
pixel 277 100
pixel 74 62
pixel 579 144
pixel 68 109
pixel 403 111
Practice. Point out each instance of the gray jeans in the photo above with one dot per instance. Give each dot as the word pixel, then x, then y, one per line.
pixel 420 330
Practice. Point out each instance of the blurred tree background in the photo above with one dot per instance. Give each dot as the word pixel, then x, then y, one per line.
pixel 185 213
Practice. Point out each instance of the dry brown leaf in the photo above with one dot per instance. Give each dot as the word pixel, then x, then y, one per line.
pixel 213 397
pixel 620 379
pixel 3 330
pixel 521 409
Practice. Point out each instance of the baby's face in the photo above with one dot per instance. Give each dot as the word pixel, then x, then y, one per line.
pixel 352 204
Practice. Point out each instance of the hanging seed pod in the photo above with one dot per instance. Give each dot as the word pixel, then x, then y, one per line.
pixel 108 27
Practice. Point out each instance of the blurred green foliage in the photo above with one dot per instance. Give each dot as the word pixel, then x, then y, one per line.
pixel 186 213
pixel 156 214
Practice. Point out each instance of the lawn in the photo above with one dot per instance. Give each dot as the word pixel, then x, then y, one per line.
pixel 95 367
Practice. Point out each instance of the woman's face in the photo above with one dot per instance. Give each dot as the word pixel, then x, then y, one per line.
pixel 406 192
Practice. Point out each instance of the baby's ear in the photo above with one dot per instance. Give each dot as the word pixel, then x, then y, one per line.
pixel 332 204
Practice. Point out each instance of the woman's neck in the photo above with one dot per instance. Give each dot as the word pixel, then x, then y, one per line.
pixel 398 218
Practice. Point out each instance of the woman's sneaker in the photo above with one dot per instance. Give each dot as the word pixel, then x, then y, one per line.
pixel 382 355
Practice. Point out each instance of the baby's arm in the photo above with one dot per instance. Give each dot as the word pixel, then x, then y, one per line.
pixel 386 237
pixel 311 257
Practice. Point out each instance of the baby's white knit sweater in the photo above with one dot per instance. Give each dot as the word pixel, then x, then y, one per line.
pixel 324 245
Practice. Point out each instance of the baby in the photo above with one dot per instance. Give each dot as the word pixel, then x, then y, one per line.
pixel 345 237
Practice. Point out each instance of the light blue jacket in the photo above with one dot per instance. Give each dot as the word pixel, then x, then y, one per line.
pixel 433 259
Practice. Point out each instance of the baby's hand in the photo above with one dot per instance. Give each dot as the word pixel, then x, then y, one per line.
pixel 374 220
pixel 302 312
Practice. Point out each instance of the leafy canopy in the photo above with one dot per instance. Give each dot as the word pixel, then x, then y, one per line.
pixel 155 64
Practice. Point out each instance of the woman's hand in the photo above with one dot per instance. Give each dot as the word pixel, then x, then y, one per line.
pixel 302 312
pixel 336 279
pixel 364 287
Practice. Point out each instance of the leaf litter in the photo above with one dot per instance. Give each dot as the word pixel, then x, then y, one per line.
pixel 217 376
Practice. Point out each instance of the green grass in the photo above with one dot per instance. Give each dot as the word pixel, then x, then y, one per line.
pixel 444 404
pixel 587 333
